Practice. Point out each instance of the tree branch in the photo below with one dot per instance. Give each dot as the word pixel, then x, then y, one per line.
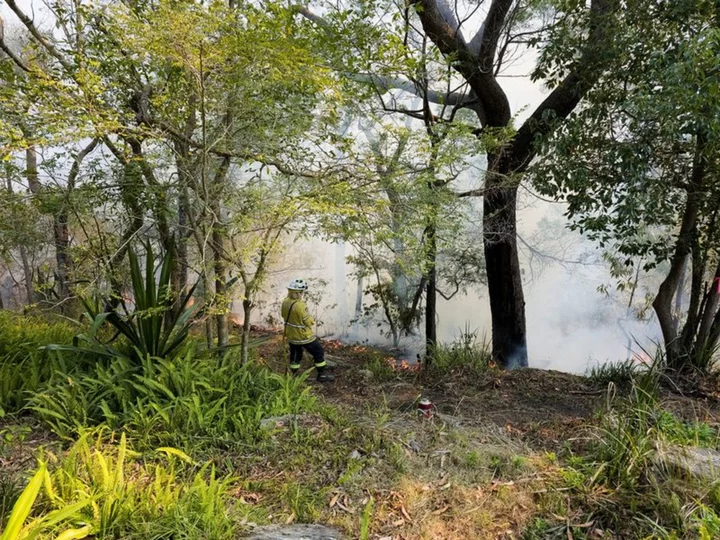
pixel 491 31
pixel 7 50
pixel 567 95
pixel 386 83
pixel 49 47
pixel 309 15
pixel 495 107
pixel 75 169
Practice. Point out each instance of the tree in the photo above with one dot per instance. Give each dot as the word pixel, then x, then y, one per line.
pixel 572 69
pixel 638 166
pixel 204 89
pixel 407 223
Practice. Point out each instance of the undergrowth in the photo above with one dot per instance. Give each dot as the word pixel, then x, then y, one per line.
pixel 188 400
pixel 101 488
pixel 466 355
pixel 623 484
pixel 24 364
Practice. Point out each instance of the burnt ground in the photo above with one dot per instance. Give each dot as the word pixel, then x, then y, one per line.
pixel 544 408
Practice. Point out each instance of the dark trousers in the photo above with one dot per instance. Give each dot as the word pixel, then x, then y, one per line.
pixel 315 349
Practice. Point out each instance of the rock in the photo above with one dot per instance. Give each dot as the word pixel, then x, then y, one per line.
pixel 304 421
pixel 355 455
pixel 337 360
pixel 414 446
pixel 294 532
pixel 366 374
pixel 700 462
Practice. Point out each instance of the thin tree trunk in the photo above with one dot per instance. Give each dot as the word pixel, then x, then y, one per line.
pixel 221 300
pixel 218 246
pixel 431 298
pixel 31 174
pixel 182 162
pixel 359 299
pixel 64 262
pixel 710 309
pixel 245 345
pixel 679 296
pixel 27 271
pixel 31 169
pixel 61 229
pixel 683 246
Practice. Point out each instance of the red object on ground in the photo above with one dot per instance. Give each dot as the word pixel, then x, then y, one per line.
pixel 426 408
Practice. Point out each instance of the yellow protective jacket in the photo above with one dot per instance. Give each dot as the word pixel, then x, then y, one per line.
pixel 298 322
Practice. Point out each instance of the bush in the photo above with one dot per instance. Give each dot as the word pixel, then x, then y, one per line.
pixel 628 493
pixel 24 365
pixel 465 355
pixel 103 491
pixel 159 324
pixel 172 401
pixel 619 373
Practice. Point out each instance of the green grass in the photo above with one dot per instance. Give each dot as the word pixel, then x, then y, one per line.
pixel 619 373
pixel 182 401
pixel 616 484
pixel 467 355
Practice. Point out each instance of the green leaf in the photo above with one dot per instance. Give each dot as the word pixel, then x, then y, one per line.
pixel 22 508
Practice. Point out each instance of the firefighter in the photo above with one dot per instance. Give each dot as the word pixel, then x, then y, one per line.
pixel 299 331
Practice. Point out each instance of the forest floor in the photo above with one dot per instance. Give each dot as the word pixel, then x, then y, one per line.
pixel 507 454
pixel 491 463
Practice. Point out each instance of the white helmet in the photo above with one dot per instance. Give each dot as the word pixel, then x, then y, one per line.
pixel 298 285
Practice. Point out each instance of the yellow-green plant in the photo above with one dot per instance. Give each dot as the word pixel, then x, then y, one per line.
pixel 101 490
pixel 16 530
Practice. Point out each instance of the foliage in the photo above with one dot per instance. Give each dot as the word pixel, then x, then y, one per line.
pixel 188 400
pixel 159 323
pixel 24 365
pixel 618 373
pixel 637 165
pixel 100 490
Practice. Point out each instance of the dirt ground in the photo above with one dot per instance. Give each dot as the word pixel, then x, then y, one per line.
pixel 544 408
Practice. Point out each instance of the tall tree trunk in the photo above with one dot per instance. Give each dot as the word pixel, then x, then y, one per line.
pixel 220 268
pixel 32 176
pixel 507 301
pixel 64 262
pixel 683 246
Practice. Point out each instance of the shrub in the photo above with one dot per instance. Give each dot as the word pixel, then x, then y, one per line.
pixel 102 491
pixel 172 401
pixel 159 324
pixel 24 365
pixel 465 355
